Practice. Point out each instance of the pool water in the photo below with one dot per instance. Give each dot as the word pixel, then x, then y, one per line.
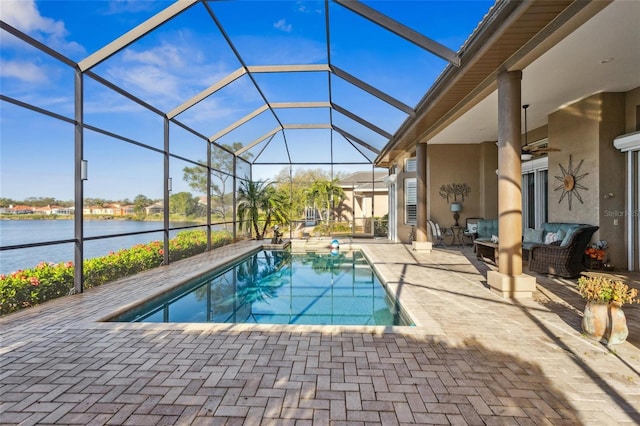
pixel 280 287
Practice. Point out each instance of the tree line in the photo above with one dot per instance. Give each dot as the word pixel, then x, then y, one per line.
pixel 279 200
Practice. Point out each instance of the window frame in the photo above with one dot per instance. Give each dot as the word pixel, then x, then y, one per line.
pixel 410 214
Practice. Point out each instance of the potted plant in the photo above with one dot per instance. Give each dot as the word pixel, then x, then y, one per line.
pixel 595 255
pixel 603 318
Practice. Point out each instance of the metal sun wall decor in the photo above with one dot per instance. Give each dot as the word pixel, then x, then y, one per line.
pixel 570 185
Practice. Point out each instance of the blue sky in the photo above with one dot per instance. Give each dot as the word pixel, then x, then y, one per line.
pixel 184 57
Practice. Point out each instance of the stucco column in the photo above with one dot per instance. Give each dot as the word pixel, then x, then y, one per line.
pixel 421 242
pixel 421 188
pixel 509 280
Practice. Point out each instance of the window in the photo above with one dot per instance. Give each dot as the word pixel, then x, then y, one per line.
pixel 410 165
pixel 410 201
pixel 534 192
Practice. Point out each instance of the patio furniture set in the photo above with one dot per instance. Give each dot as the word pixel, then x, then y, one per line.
pixel 557 248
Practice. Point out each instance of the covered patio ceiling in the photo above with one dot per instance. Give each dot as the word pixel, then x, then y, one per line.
pixel 567 50
pixel 320 82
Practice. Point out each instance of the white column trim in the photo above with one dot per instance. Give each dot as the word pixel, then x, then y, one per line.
pixel 630 143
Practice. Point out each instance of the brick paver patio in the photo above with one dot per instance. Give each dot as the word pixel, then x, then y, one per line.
pixel 472 358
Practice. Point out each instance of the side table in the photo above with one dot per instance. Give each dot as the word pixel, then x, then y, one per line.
pixel 457 233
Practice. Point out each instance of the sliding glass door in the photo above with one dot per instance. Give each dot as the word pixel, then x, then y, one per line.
pixel 534 193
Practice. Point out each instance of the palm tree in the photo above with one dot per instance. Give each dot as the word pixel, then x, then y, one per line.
pixel 326 193
pixel 256 198
pixel 251 199
pixel 276 208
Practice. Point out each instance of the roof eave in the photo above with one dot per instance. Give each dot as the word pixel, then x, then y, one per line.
pixel 443 103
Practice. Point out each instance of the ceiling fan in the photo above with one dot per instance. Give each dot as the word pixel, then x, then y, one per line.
pixel 539 149
pixel 535 149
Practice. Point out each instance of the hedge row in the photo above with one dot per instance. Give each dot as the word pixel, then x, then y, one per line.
pixel 46 281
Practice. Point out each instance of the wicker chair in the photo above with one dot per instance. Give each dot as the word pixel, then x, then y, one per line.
pixel 565 261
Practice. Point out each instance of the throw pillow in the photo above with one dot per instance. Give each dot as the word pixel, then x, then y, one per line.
pixel 533 235
pixel 550 237
pixel 567 238
pixel 560 235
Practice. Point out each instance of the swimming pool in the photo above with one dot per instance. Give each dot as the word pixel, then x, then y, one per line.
pixel 280 287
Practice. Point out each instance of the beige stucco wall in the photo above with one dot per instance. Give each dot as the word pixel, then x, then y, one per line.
pixel 537 134
pixel 448 164
pixel 473 164
pixel 353 206
pixel 488 181
pixel 632 110
pixel 612 177
pixel 584 131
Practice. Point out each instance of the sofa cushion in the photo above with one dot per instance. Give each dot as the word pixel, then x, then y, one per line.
pixel 567 238
pixel 533 235
pixel 483 239
pixel 561 227
pixel 487 227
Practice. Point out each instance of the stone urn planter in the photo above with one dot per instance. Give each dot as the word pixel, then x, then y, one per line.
pixel 603 318
pixel 605 322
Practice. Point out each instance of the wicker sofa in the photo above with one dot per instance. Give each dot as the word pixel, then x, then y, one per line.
pixel 563 257
pixel 566 258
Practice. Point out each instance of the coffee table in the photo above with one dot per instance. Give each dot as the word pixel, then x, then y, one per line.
pixel 486 250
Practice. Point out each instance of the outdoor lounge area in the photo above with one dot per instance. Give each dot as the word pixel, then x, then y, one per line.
pixel 484 157
pixel 472 358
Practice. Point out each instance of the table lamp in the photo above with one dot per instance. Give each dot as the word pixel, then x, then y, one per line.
pixel 456 208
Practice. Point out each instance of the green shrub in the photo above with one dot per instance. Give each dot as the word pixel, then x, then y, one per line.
pixel 28 287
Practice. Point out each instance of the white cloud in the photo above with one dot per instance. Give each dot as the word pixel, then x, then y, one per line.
pixel 25 16
pixel 153 81
pixel 164 75
pixel 282 25
pixel 24 71
pixel 303 7
pixel 162 56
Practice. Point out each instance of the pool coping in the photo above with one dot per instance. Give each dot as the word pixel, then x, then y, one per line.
pixel 297 247
pixel 94 306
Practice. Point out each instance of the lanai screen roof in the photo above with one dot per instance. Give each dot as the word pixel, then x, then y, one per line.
pixel 289 82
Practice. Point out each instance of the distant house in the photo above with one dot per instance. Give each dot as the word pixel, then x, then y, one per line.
pixel 17 210
pixel 101 210
pixel 63 211
pixel 366 195
pixel 127 210
pixel 98 210
pixel 155 208
pixel 54 210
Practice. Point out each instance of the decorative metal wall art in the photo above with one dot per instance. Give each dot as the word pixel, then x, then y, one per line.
pixel 569 182
pixel 455 190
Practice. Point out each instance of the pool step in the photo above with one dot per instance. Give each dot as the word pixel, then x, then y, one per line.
pixel 314 244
